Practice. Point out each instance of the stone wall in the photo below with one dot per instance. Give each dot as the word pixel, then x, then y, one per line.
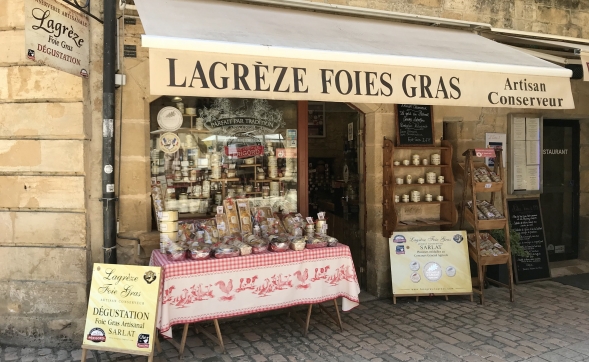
pixel 43 205
pixel 557 17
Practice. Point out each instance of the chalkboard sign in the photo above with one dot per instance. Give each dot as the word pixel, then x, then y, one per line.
pixel 415 126
pixel 525 216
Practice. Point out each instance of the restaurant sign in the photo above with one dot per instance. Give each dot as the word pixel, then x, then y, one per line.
pixel 122 308
pixel 58 36
pixel 202 74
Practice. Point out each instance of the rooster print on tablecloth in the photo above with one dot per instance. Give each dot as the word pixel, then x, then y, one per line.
pixel 226 288
pixel 320 273
pixel 344 272
pixel 247 284
pixel 194 294
pixel 270 285
pixel 302 277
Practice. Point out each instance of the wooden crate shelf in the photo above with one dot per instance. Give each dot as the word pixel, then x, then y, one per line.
pixel 444 215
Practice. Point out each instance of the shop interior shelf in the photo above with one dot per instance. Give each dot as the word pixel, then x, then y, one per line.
pixel 421 166
pixel 254 165
pixel 423 185
pixel 182 130
pixel 417 148
pixel 423 223
pixel 422 203
pixel 484 224
pixel 233 179
pixel 487 260
pixel 488 186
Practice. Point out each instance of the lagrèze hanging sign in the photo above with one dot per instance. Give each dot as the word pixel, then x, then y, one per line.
pixel 58 36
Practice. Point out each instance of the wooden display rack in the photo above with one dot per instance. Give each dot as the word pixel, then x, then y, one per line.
pixel 470 191
pixel 423 214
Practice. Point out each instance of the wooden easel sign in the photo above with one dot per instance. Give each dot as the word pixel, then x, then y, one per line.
pixel 122 309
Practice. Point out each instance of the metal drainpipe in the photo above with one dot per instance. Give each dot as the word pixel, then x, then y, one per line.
pixel 108 146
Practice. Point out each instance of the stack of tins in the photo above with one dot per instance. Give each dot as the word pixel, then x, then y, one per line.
pixel 168 229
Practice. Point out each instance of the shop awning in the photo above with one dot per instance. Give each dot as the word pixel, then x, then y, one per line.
pixel 567 53
pixel 215 48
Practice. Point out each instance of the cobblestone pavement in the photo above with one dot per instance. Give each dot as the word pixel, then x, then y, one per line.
pixel 548 322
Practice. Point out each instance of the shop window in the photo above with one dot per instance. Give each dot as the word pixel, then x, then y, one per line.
pixel 206 150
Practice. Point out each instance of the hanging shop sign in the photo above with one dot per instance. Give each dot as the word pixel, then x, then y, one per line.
pixel 57 36
pixel 430 263
pixel 122 308
pixel 202 74
pixel 256 117
pixel 244 152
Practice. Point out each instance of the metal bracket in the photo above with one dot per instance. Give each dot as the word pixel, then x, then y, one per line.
pixel 107 199
pixel 83 8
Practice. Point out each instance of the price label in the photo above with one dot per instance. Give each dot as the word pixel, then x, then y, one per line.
pixel 309 220
pixel 488 186
pixel 321 215
pixel 241 204
pixel 219 209
pixel 221 226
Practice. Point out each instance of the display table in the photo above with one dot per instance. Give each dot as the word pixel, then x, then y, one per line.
pixel 195 291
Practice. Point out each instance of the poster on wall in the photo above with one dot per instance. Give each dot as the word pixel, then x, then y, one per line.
pixel 496 140
pixel 430 263
pixel 122 308
pixel 316 121
pixel 58 36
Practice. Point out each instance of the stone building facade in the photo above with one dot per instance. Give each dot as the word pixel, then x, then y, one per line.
pixel 50 167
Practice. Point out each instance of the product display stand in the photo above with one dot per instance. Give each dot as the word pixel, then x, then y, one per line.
pixel 496 189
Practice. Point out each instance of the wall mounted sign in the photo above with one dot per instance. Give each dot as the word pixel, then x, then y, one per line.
pixel 415 125
pixel 256 117
pixel 496 140
pixel 244 152
pixel 202 74
pixel 525 217
pixel 525 166
pixel 58 36
pixel 130 51
pixel 122 308
pixel 430 263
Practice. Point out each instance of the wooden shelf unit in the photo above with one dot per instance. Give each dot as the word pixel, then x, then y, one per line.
pixel 496 189
pixel 439 214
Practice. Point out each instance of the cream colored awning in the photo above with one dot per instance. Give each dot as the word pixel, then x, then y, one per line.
pixel 226 49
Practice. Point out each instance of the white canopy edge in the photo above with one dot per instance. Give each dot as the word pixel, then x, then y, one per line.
pixel 199 45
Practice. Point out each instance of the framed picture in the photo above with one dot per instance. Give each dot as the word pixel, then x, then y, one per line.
pixel 316 125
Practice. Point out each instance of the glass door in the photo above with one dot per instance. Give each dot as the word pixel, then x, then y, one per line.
pixel 560 199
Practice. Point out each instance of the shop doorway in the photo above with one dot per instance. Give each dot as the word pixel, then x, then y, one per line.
pixel 560 198
pixel 336 171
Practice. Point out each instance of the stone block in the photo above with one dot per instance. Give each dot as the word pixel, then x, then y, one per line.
pixel 135 175
pixel 552 15
pixel 41 156
pixel 12 50
pixel 42 119
pixel 12 14
pixel 135 213
pixel 524 10
pixel 584 184
pixel 455 4
pixel 43 264
pixel 451 14
pixel 136 141
pixel 21 83
pixel 43 299
pixel 43 228
pixel 61 192
pixel 33 331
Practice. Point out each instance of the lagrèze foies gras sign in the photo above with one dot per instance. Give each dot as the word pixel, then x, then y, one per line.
pixel 122 308
pixel 58 36
pixel 189 73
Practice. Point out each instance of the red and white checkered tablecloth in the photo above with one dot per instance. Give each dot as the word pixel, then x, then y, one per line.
pixel 195 291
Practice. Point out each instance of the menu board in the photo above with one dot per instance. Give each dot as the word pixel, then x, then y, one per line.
pixel 525 216
pixel 415 125
pixel 525 172
pixel 430 262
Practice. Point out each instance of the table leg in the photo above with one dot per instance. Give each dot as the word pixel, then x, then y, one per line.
pixel 150 357
pixel 339 318
pixel 308 320
pixel 157 343
pixel 183 342
pixel 84 353
pixel 219 336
